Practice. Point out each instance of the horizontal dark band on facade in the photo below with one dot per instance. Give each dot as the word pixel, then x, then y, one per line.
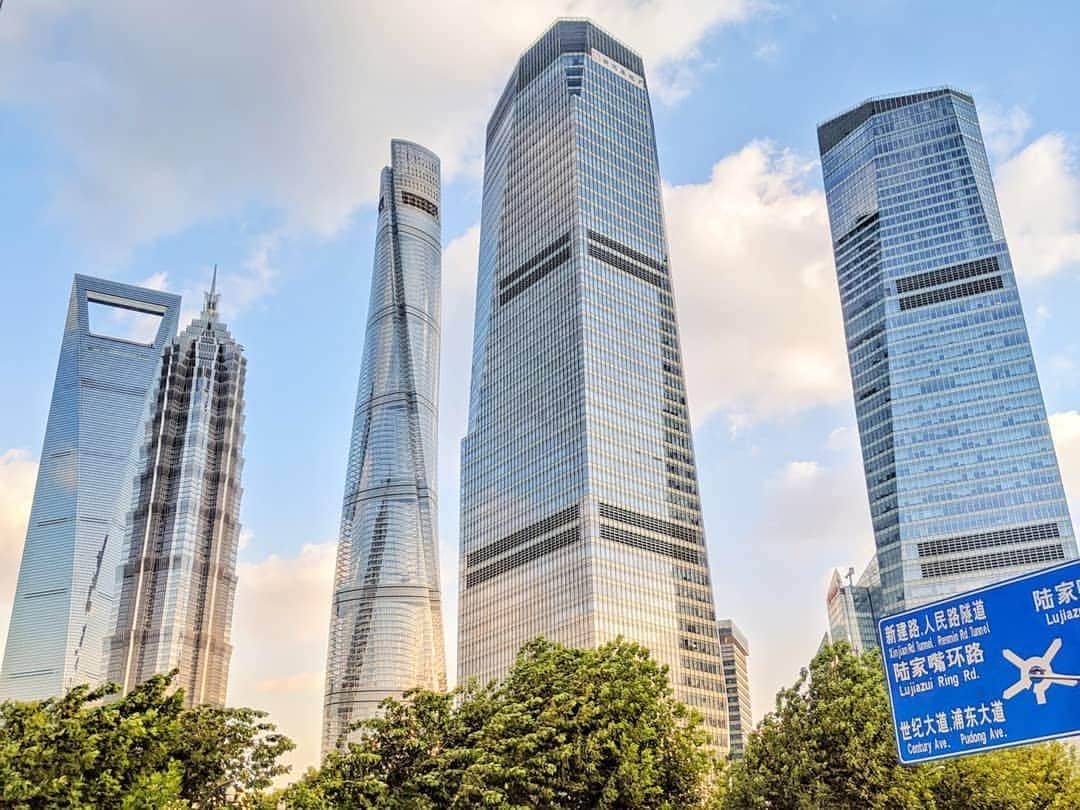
pixel 538 549
pixel 367 592
pixel 947 275
pixel 1001 537
pixel 53 521
pixel 627 266
pixel 50 592
pixel 964 290
pixel 652 524
pixel 629 252
pixel 644 543
pixel 989 562
pixel 424 204
pixel 538 257
pixel 521 536
pixel 558 259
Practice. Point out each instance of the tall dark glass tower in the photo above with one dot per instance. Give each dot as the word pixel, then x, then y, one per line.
pixel 177 580
pixel 66 597
pixel 386 631
pixel 580 512
pixel 960 469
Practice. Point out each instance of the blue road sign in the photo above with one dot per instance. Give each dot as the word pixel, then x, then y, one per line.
pixel 986 669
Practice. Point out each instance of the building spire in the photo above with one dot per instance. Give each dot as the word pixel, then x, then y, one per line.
pixel 210 304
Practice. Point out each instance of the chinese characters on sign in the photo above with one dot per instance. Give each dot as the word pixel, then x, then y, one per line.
pixel 975 671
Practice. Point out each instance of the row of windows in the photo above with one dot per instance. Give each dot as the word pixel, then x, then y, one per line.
pixel 650 523
pixel 519 558
pixel 988 562
pixel 945 275
pixel 949 293
pixel 650 544
pixel 416 201
pixel 562 241
pixel 1001 537
pixel 555 261
pixel 522 536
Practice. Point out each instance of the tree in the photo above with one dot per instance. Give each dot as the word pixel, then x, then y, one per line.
pixel 91 749
pixel 829 744
pixel 568 728
pixel 221 748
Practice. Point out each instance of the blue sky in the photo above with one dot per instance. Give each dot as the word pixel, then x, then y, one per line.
pixel 144 142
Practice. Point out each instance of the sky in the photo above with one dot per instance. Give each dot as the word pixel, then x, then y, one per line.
pixel 144 141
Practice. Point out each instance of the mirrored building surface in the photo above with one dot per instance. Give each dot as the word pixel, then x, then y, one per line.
pixel 386 631
pixel 735 653
pixel 65 598
pixel 853 606
pixel 580 515
pixel 960 468
pixel 177 580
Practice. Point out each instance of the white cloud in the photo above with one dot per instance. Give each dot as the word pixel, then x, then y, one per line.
pixel 18 472
pixel 279 634
pixel 245 538
pixel 1003 130
pixel 1038 191
pixel 813 518
pixel 758 305
pixel 170 117
pixel 1065 428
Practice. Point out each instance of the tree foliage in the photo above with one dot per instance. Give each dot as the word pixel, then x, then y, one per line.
pixel 829 744
pixel 568 728
pixel 90 749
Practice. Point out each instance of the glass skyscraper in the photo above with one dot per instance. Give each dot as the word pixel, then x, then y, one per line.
pixel 386 631
pixel 178 571
pixel 580 514
pixel 960 469
pixel 853 608
pixel 65 598
pixel 735 651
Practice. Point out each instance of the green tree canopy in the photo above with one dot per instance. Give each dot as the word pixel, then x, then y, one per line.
pixel 829 744
pixel 89 749
pixel 568 728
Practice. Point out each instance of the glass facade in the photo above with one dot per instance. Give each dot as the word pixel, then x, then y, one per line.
pixel 65 597
pixel 734 652
pixel 580 513
pixel 960 468
pixel 386 631
pixel 178 575
pixel 852 608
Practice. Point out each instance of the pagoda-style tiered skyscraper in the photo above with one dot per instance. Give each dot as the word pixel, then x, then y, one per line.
pixel 178 573
pixel 580 514
pixel 386 623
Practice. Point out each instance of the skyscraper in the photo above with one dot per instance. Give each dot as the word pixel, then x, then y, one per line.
pixel 960 469
pixel 386 624
pixel 178 563
pixel 853 608
pixel 65 597
pixel 580 512
pixel 734 651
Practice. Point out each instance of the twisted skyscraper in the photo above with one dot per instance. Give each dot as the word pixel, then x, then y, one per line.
pixel 386 624
pixel 580 516
pixel 960 468
pixel 66 596
pixel 178 573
